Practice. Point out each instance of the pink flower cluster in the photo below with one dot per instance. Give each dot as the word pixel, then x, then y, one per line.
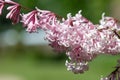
pixel 78 37
pixel 82 40
pixel 14 9
pixel 38 19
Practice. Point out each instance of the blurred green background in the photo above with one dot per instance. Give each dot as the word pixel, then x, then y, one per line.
pixel 25 56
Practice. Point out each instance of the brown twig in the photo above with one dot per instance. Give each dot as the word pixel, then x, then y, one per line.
pixel 116 33
pixel 114 75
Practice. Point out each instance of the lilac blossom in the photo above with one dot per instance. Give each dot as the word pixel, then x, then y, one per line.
pixel 77 36
pixel 107 30
pixel 83 41
pixel 30 20
pixel 14 13
pixel 47 19
pixel 77 67
pixel 109 23
pixel 2 3
pixel 38 19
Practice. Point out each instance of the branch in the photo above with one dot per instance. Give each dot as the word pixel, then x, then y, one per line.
pixel 114 75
